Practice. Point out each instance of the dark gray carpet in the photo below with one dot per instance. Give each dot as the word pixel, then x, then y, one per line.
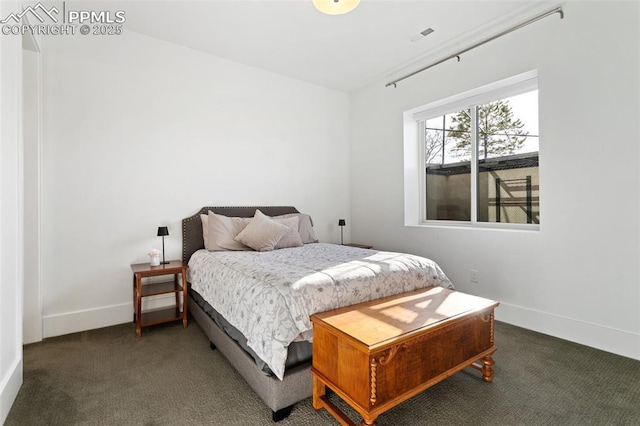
pixel 171 377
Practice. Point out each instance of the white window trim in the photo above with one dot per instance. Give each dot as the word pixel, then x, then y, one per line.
pixel 474 165
pixel 413 136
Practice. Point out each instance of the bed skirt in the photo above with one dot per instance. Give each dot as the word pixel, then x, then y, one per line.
pixel 276 394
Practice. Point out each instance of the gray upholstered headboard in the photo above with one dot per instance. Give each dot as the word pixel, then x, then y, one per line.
pixel 192 240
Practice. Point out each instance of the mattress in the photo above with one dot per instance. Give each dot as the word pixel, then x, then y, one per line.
pixel 269 296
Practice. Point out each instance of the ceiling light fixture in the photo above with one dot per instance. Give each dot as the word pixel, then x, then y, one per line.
pixel 335 7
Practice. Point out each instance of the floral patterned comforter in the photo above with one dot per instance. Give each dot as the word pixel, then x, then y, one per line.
pixel 269 296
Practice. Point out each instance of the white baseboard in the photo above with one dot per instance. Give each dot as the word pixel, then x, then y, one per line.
pixel 619 342
pixel 597 336
pixel 9 387
pixel 89 319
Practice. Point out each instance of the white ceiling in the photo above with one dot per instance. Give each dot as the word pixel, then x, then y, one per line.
pixel 342 52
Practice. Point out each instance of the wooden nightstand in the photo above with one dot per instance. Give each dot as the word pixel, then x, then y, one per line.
pixel 159 316
pixel 363 246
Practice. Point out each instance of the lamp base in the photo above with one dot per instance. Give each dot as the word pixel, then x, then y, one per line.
pixel 165 263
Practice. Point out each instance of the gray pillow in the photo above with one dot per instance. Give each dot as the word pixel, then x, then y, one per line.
pixel 305 226
pixel 291 238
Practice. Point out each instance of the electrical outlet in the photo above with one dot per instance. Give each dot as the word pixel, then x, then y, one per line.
pixel 474 276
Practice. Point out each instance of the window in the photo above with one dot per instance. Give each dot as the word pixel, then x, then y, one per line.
pixel 478 155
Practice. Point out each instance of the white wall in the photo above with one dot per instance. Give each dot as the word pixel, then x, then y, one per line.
pixel 11 237
pixel 578 278
pixel 140 133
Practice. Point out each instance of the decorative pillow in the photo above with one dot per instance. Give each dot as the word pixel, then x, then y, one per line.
pixel 292 237
pixel 222 231
pixel 305 226
pixel 262 233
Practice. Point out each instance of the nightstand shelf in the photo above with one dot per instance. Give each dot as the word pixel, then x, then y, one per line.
pixel 176 286
pixel 160 288
pixel 160 316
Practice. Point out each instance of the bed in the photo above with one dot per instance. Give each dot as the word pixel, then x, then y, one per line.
pixel 259 317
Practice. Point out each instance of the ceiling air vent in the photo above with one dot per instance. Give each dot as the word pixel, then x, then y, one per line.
pixel 422 34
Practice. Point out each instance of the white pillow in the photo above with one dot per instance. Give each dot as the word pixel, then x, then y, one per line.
pixel 292 237
pixel 262 233
pixel 222 231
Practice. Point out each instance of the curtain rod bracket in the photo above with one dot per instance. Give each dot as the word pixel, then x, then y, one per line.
pixel 487 40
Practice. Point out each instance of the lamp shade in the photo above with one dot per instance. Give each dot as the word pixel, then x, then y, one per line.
pixel 341 222
pixel 335 7
pixel 163 231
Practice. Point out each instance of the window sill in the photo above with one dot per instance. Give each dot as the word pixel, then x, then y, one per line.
pixel 481 226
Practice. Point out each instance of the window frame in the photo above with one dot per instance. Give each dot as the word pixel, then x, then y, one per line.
pixel 414 151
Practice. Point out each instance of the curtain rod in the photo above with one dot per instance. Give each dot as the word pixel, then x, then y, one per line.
pixel 487 40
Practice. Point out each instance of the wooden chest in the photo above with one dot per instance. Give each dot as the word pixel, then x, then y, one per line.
pixel 377 354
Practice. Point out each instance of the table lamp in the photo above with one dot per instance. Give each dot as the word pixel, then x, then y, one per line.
pixel 163 231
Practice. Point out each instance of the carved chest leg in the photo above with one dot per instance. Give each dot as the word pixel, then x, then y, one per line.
pixel 487 368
